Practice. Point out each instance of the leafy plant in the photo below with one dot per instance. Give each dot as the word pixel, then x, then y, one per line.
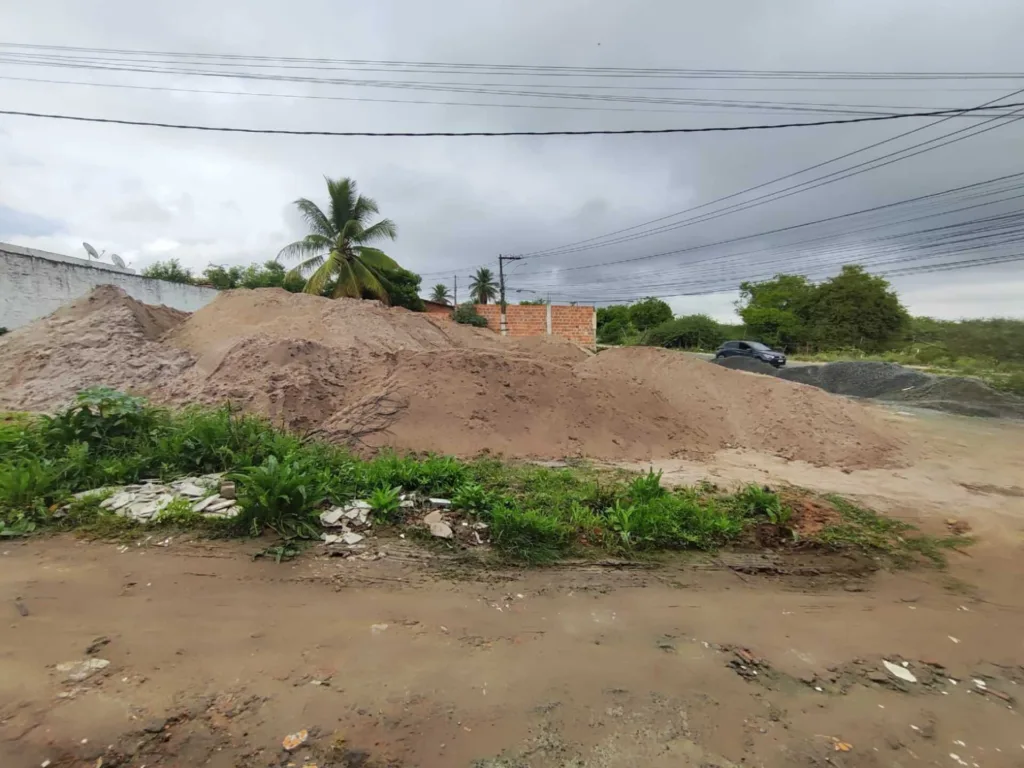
pixel 472 497
pixel 26 485
pixel 622 520
pixel 277 495
pixel 466 314
pixel 758 501
pixel 16 525
pixel 646 488
pixel 385 502
pixel 101 415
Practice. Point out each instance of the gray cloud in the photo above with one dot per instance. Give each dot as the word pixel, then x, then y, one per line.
pixel 149 194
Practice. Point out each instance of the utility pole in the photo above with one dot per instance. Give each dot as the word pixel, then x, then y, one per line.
pixel 501 285
pixel 455 290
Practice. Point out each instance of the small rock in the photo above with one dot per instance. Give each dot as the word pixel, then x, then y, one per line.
pixel 433 517
pixel 96 644
pixel 330 538
pixel 480 526
pixel 352 538
pixel 227 489
pixel 441 530
pixel 897 671
pixel 295 740
pixel 407 504
pixel 376 629
pixel 77 671
pixel 155 726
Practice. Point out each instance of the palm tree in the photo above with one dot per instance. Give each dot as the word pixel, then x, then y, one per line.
pixel 336 248
pixel 440 294
pixel 482 287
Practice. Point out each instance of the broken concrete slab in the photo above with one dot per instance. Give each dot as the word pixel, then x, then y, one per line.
pixel 77 671
pixel 433 517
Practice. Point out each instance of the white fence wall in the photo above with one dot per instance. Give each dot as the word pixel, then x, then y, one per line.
pixel 35 283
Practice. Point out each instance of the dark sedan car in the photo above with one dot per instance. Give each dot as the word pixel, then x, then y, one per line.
pixel 753 349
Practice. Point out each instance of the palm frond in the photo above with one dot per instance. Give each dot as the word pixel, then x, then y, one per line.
pixel 363 207
pixel 351 231
pixel 375 259
pixel 310 244
pixel 326 269
pixel 439 293
pixel 383 229
pixel 343 199
pixel 371 280
pixel 316 219
pixel 348 284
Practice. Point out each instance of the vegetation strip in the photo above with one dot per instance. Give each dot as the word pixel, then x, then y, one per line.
pixel 535 514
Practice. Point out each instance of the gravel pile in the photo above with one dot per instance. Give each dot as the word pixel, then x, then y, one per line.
pixel 895 383
pixel 748 364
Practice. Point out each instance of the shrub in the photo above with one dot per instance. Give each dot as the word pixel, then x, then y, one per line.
pixel 473 497
pixel 466 314
pixel 102 416
pixel 688 332
pixel 758 501
pixel 277 495
pixel 26 485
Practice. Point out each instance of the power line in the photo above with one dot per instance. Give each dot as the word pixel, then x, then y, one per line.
pixel 568 248
pixel 546 70
pixel 410 134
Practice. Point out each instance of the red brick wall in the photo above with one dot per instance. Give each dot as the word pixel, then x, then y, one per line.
pixel 437 310
pixel 573 323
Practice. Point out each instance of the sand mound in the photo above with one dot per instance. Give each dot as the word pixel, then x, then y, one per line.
pixel 371 376
pixel 729 409
pixel 105 338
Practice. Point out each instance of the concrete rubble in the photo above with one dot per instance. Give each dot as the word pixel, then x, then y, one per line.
pixel 145 501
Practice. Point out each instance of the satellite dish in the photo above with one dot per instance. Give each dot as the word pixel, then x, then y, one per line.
pixel 118 261
pixel 91 251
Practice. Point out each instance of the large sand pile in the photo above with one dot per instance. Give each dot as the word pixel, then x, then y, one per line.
pixel 373 376
pixel 103 338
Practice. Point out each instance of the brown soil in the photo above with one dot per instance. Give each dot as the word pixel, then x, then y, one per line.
pixel 415 659
pixel 374 376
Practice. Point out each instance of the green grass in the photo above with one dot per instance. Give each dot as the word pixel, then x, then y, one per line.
pixel 896 540
pixel 534 514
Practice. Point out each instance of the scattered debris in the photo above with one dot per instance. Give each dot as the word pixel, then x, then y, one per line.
pixel 145 501
pixel 295 740
pixel 21 607
pixel 958 527
pixel 77 671
pixel 376 629
pixel 440 503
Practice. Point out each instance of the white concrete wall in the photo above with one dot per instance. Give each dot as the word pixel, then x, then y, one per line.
pixel 35 283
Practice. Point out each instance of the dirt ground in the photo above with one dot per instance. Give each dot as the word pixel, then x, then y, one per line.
pixel 416 660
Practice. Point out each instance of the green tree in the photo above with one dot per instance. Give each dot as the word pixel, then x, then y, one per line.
pixel 776 311
pixel 483 288
pixel 440 294
pixel 337 249
pixel 403 289
pixel 613 324
pixel 856 309
pixel 648 313
pixel 170 270
pixel 687 332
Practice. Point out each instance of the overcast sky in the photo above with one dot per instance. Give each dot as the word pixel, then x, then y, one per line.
pixel 150 194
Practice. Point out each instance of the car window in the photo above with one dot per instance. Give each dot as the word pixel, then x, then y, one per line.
pixel 729 345
pixel 743 345
pixel 758 346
